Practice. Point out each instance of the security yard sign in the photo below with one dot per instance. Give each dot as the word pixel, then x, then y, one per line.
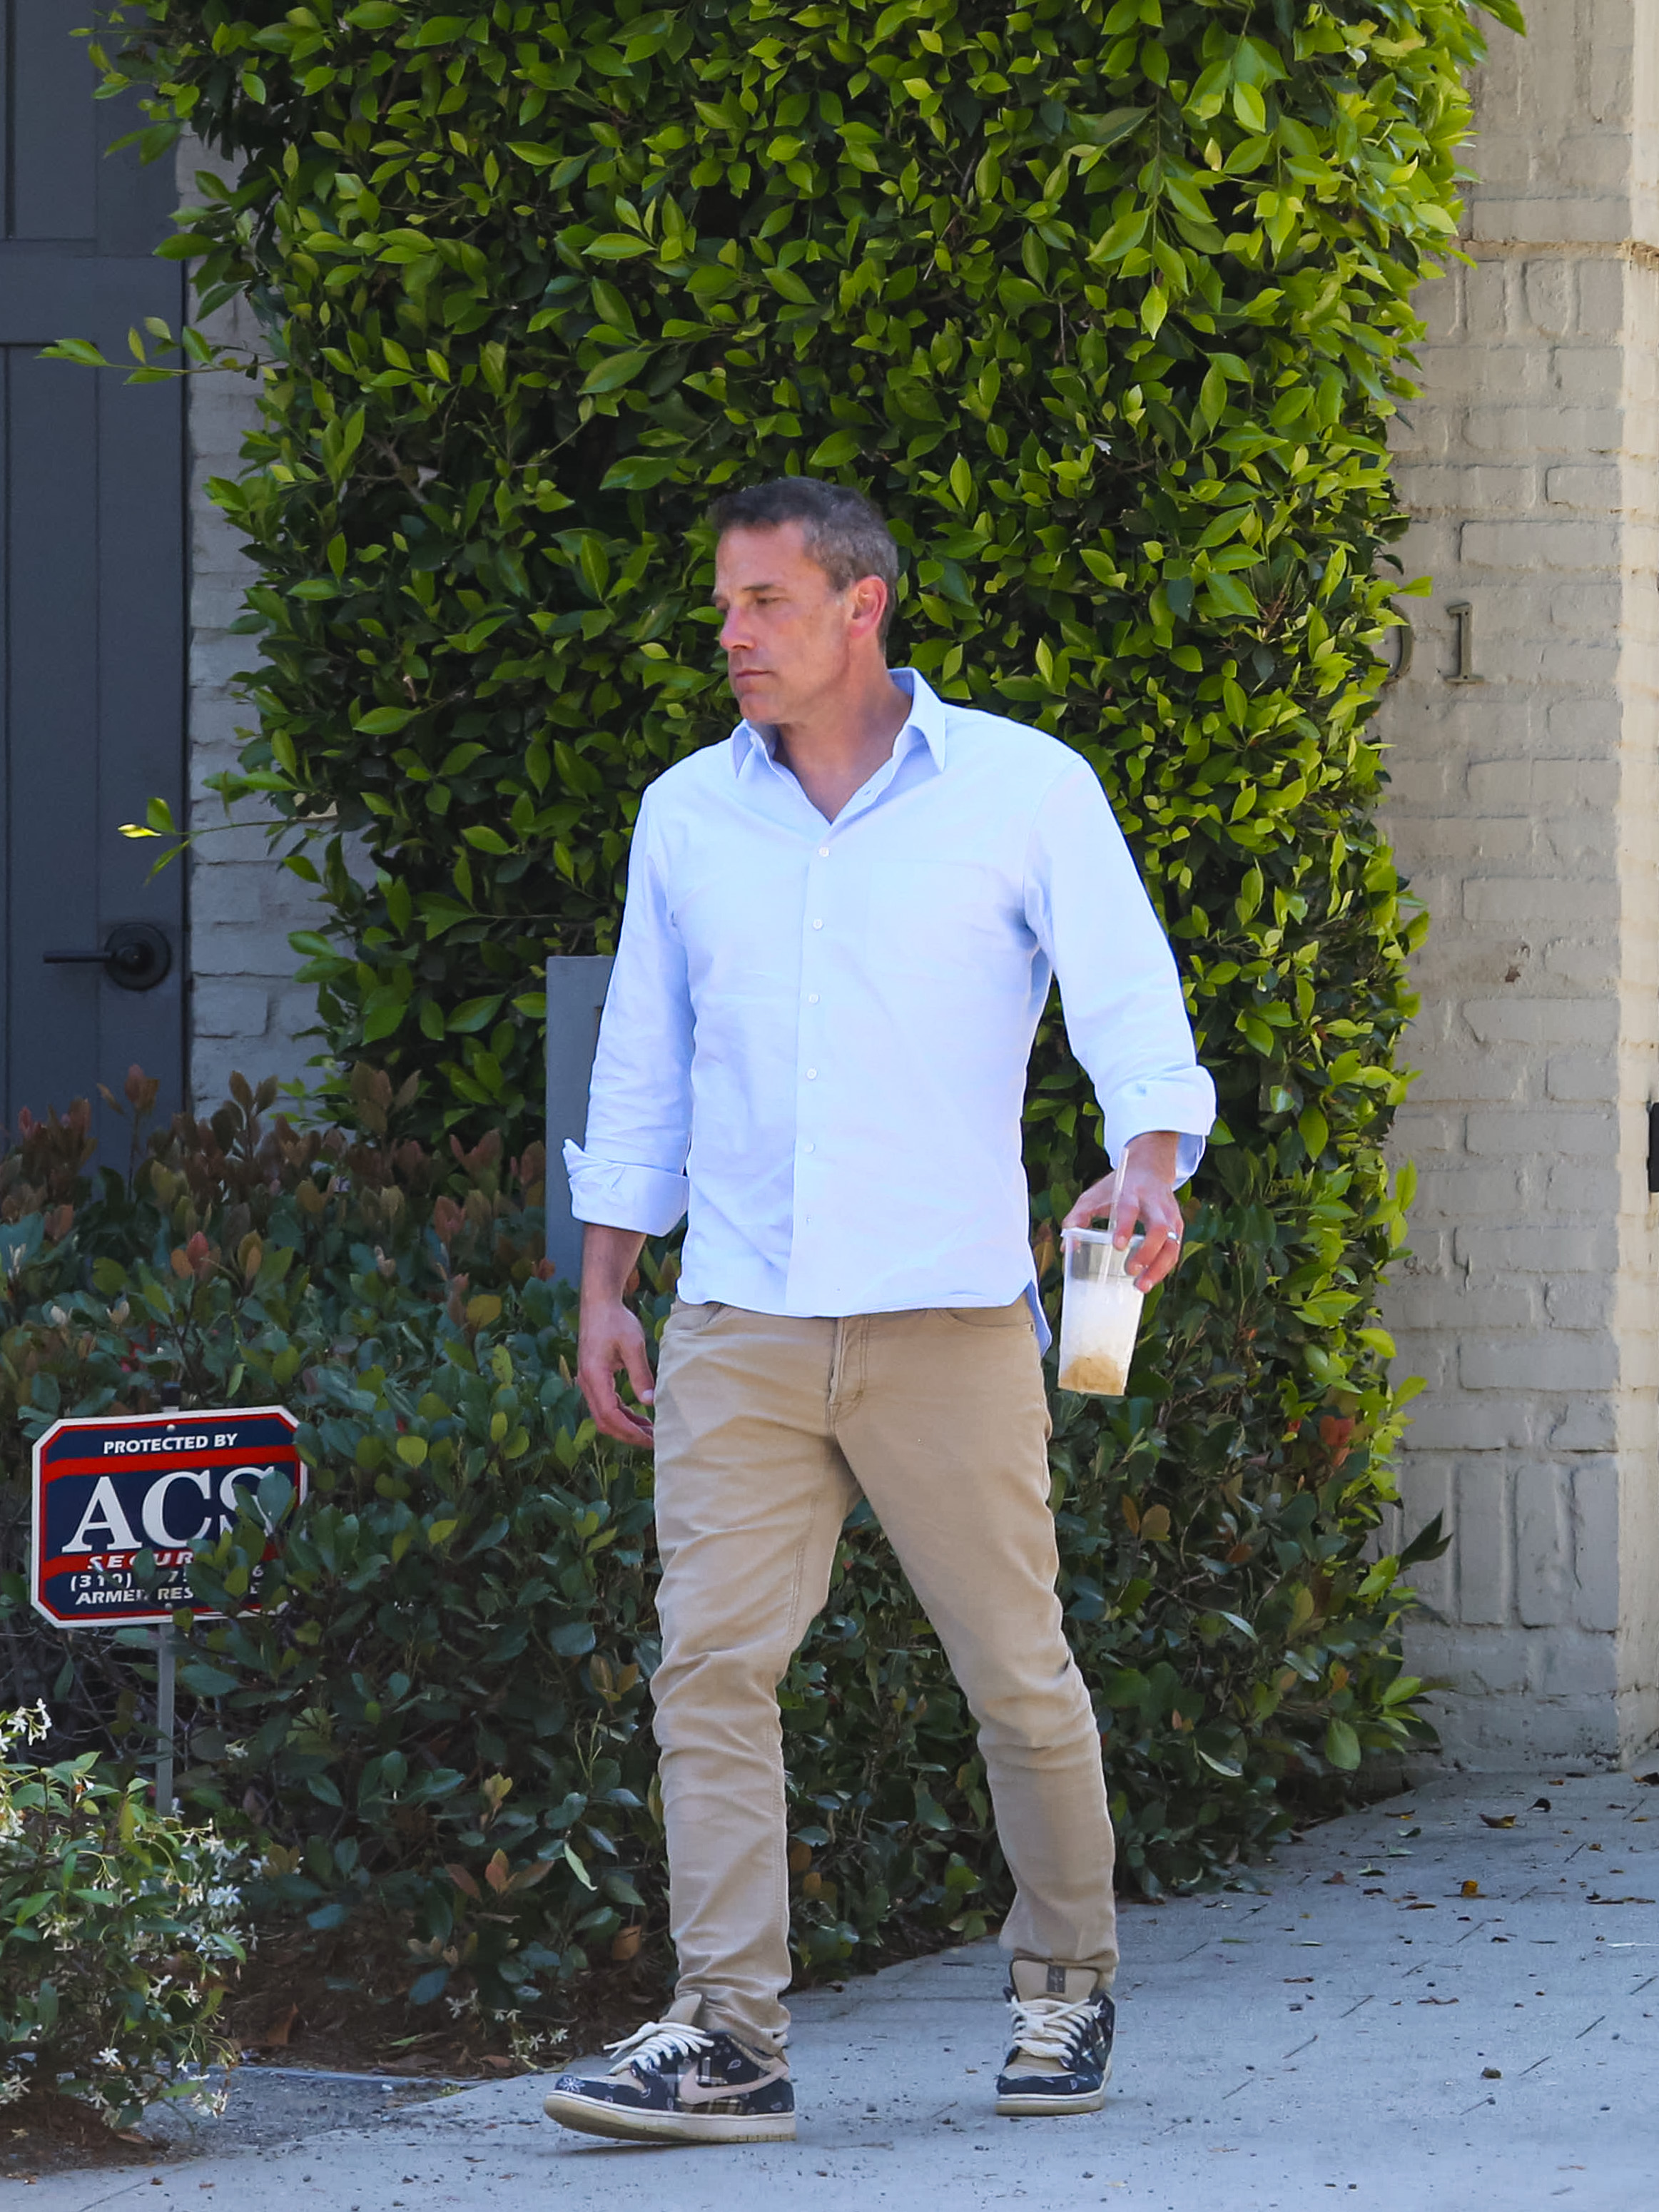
pixel 108 1488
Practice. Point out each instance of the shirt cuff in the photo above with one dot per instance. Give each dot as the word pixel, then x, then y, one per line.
pixel 1186 1105
pixel 616 1196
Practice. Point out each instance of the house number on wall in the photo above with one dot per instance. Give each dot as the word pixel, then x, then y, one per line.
pixel 1462 615
pixel 1403 641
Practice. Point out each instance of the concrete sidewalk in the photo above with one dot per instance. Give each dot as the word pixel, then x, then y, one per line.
pixel 1370 2033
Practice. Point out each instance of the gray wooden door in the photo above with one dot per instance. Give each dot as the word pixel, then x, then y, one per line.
pixel 92 587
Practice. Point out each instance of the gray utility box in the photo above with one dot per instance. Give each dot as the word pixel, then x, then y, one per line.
pixel 576 985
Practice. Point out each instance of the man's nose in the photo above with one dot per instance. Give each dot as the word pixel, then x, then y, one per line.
pixel 734 633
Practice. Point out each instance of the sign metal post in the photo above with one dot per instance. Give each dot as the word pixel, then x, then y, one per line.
pixel 172 1399
pixel 164 1708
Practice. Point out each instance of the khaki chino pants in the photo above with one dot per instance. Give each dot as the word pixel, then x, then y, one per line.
pixel 768 1430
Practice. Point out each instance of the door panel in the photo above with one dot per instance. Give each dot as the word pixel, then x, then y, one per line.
pixel 92 582
pixel 55 129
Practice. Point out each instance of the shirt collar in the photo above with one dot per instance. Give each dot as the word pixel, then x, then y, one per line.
pixel 927 716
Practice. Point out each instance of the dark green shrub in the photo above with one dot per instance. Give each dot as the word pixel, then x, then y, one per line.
pixel 438 1717
pixel 241 1230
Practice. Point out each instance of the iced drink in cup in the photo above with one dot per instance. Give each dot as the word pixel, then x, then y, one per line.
pixel 1099 1313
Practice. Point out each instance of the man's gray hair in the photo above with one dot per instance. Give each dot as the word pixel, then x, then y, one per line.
pixel 843 532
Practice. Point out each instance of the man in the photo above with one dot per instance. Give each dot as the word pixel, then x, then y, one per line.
pixel 840 929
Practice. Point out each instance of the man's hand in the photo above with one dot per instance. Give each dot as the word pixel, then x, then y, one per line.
pixel 1142 1189
pixel 610 1338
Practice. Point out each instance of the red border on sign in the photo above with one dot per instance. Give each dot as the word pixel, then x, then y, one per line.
pixel 176 1418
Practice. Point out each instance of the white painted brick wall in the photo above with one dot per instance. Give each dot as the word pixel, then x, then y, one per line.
pixel 247 1012
pixel 1526 810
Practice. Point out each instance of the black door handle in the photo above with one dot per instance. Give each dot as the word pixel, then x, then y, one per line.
pixel 136 955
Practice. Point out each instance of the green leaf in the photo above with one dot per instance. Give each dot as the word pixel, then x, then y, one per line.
pixel 438 30
pixel 788 286
pixel 1342 1747
pixel 1109 130
pixel 77 349
pixel 835 451
pixel 617 370
pixel 638 472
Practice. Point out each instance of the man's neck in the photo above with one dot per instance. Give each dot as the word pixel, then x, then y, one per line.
pixel 835 752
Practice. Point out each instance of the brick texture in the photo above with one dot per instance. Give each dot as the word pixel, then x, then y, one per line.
pixel 247 1011
pixel 1526 810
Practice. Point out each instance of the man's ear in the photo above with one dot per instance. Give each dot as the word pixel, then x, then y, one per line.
pixel 869 603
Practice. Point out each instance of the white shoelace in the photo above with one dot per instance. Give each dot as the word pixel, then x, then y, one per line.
pixel 658 2039
pixel 1051 2028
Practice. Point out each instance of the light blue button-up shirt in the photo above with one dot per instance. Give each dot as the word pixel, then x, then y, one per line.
pixel 817 1033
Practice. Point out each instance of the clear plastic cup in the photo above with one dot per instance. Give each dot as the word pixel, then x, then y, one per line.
pixel 1099 1313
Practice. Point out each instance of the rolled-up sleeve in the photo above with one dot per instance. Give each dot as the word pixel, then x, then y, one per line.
pixel 1124 1015
pixel 630 1172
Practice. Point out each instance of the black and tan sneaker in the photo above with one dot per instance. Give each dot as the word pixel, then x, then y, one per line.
pixel 1060 2058
pixel 673 2082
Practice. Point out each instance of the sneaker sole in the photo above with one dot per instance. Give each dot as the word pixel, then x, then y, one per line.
pixel 618 2126
pixel 1033 2106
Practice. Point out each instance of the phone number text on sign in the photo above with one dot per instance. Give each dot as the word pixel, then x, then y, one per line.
pixel 108 1488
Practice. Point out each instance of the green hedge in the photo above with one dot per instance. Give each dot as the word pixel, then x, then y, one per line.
pixel 1109 304
pixel 1105 301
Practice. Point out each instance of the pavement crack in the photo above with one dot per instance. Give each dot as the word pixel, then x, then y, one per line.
pixel 125 2189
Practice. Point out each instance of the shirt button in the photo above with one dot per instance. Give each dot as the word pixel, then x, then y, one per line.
pixel 824 851
pixel 817 925
pixel 811 1075
pixel 807 1147
pixel 812 997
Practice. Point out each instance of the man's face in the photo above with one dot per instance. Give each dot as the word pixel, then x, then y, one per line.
pixel 788 636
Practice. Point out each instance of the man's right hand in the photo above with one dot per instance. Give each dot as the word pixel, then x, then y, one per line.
pixel 611 1339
